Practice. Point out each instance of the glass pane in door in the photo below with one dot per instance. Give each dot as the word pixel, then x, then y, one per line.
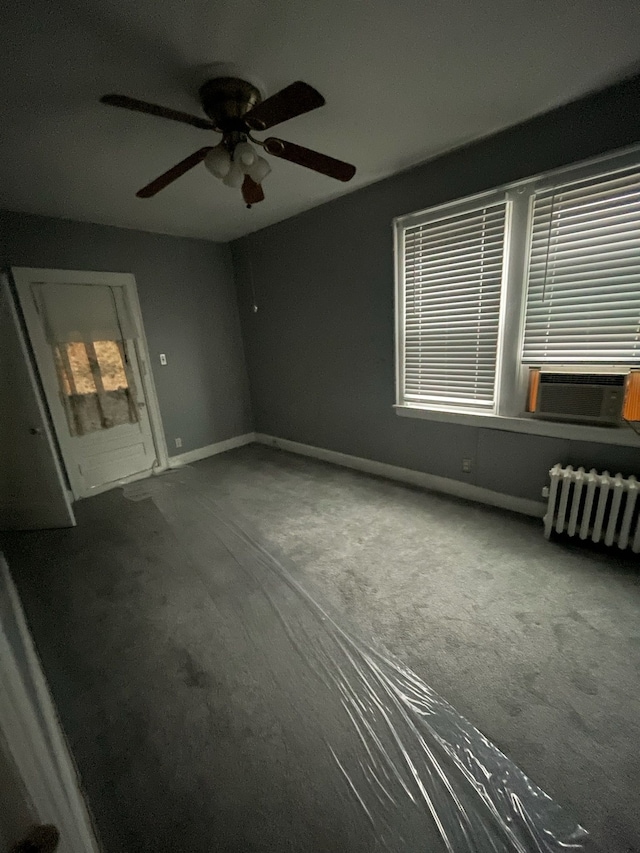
pixel 95 385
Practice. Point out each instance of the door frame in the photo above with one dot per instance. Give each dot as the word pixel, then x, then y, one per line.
pixel 25 276
pixel 33 746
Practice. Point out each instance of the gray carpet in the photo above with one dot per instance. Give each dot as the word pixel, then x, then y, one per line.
pixel 537 643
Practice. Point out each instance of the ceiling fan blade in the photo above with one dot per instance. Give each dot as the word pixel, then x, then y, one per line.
pixel 294 100
pixel 252 192
pixel 311 159
pixel 172 174
pixel 153 109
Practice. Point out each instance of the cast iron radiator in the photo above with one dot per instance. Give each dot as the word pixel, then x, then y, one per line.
pixel 600 507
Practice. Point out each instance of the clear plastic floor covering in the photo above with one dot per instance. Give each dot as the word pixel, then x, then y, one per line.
pixel 407 771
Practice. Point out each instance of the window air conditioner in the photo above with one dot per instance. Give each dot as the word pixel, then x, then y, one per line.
pixel 589 394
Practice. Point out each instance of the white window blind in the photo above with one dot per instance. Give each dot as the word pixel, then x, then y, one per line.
pixel 583 298
pixel 452 284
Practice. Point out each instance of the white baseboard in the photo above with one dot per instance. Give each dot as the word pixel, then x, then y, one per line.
pixel 432 482
pixel 407 475
pixel 211 450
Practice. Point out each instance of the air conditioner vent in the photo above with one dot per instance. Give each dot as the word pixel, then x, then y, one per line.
pixel 583 378
pixel 584 401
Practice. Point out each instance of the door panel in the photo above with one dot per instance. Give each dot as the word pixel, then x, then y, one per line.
pixel 106 466
pixel 33 492
pixel 94 390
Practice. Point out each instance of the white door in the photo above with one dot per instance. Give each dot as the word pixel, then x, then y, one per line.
pixel 86 339
pixel 38 780
pixel 33 491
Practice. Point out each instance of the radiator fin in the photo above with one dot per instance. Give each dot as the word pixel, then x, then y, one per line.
pixel 596 506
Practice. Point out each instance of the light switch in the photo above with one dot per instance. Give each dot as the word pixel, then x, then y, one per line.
pixel 163 358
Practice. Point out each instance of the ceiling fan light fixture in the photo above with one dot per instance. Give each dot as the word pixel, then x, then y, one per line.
pixel 259 170
pixel 218 161
pixel 245 154
pixel 235 176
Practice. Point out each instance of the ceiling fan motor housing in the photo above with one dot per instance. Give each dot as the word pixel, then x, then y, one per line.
pixel 226 100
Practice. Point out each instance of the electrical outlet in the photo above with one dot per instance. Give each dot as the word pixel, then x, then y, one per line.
pixel 178 442
pixel 466 466
pixel 163 358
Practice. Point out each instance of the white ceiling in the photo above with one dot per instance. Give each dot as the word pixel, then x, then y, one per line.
pixel 403 81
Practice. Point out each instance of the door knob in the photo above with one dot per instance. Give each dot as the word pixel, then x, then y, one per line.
pixel 35 431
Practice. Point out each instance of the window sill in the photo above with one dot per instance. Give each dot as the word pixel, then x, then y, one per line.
pixel 622 436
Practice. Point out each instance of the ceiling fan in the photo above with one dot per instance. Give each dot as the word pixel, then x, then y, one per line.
pixel 236 109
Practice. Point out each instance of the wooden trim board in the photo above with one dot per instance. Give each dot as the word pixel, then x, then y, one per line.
pixel 211 450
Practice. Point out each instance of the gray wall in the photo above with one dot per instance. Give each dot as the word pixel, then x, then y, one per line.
pixel 320 349
pixel 189 310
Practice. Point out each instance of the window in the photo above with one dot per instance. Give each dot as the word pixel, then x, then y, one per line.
pixel 452 286
pixel 584 273
pixel 94 386
pixel 87 327
pixel 542 272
